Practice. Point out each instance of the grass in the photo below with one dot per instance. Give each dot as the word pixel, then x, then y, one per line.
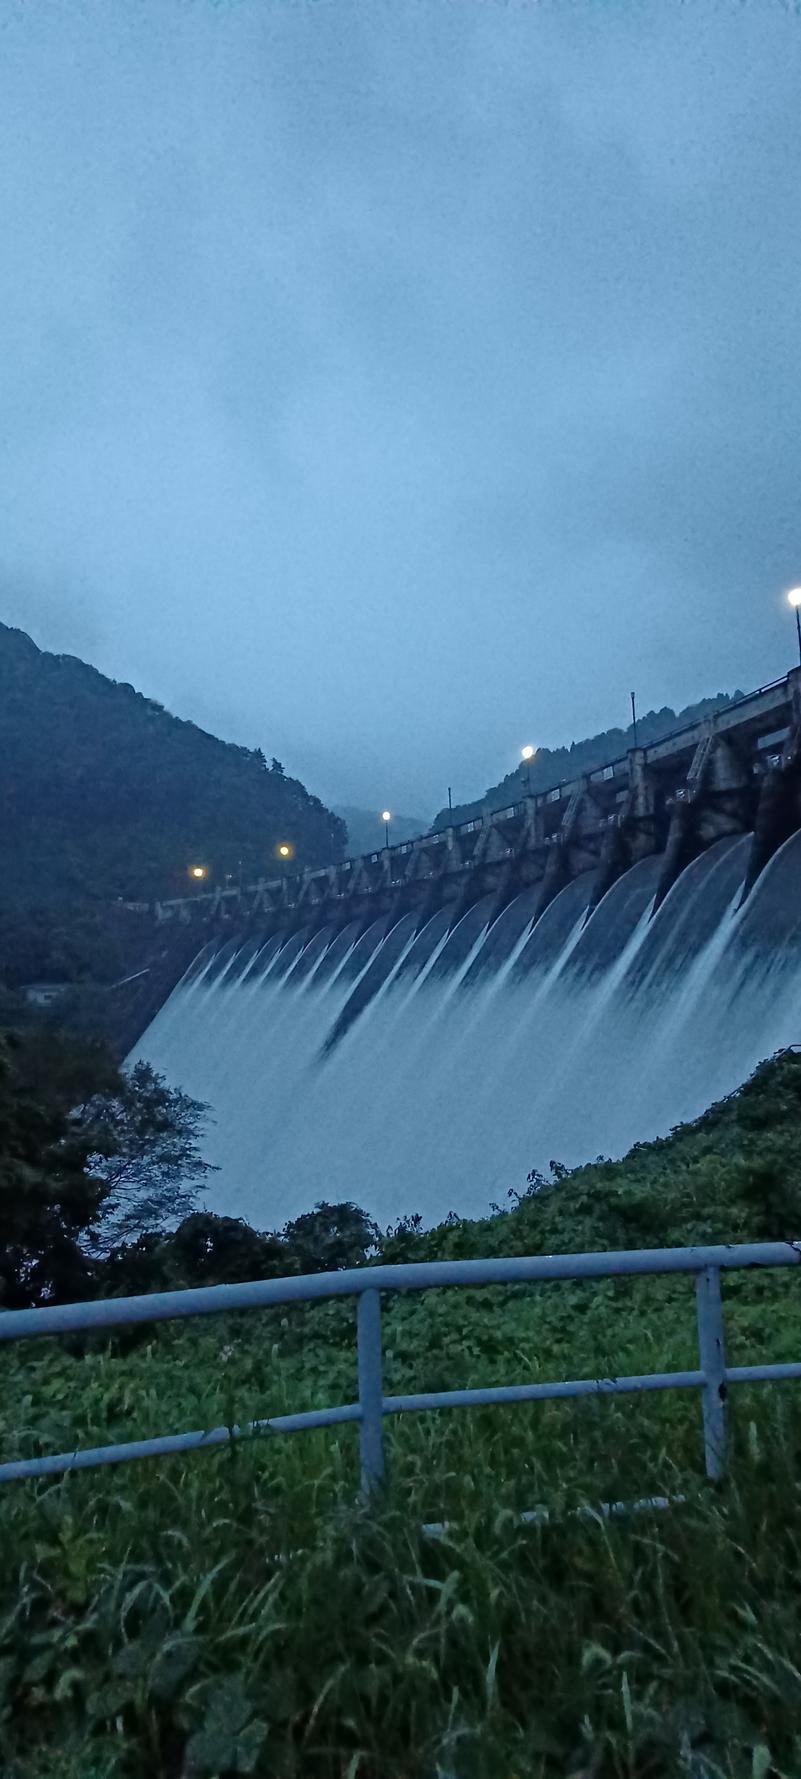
pixel 240 1611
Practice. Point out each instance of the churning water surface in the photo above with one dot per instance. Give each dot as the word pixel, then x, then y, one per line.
pixel 429 1072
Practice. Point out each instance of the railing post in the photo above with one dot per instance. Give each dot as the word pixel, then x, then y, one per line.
pixel 713 1365
pixel 371 1399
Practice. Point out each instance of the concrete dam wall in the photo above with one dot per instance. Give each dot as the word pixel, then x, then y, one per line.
pixel 424 1057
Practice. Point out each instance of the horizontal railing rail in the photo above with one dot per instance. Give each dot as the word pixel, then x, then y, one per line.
pixel 367 1284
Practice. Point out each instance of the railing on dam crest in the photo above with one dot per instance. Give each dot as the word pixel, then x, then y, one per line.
pixel 729 773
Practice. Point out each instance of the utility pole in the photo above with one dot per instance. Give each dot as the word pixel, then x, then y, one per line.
pixel 634 717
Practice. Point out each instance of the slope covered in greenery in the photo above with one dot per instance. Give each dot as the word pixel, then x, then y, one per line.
pixel 555 765
pixel 240 1612
pixel 103 793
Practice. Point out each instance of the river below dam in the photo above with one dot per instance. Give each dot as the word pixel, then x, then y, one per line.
pixel 431 1071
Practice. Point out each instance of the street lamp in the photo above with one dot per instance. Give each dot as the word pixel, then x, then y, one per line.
pixel 794 599
pixel 527 754
pixel 386 817
pixel 198 872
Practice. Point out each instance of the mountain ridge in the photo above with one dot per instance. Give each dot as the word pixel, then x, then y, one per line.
pixel 104 793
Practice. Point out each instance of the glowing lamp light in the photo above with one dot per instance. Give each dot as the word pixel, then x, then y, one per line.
pixel 794 599
pixel 284 851
pixel 386 815
pixel 526 755
pixel 198 872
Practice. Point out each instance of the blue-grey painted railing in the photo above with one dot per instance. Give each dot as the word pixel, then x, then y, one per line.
pixel 367 1284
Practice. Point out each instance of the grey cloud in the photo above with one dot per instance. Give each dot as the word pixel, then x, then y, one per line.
pixel 393 382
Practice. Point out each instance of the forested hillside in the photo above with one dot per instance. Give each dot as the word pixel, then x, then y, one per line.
pixel 103 793
pixel 553 765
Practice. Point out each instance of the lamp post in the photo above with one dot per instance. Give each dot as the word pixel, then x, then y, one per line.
pixel 794 599
pixel 284 853
pixel 527 754
pixel 386 817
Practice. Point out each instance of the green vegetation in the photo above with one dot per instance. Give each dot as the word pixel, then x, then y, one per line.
pixel 75 943
pixel 104 794
pixel 241 1612
pixel 89 1156
pixel 555 765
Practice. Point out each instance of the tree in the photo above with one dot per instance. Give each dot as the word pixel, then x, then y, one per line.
pixel 210 1250
pixel 49 1196
pixel 204 1250
pixel 147 1155
pixel 98 1166
pixel 331 1237
pixel 89 1156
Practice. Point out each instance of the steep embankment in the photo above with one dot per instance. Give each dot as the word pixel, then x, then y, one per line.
pixel 235 1612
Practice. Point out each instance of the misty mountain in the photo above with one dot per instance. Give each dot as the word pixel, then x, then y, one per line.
pixel 103 793
pixel 554 765
pixel 366 829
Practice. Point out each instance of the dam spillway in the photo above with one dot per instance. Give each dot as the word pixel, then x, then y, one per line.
pixel 428 1066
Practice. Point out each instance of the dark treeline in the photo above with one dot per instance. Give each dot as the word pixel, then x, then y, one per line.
pixel 70 942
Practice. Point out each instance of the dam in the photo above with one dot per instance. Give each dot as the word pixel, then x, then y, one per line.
pixel 422 1053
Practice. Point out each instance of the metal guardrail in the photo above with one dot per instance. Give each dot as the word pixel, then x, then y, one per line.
pixel 367 1284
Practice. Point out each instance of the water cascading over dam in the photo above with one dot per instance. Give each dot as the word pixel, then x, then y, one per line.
pixel 430 1068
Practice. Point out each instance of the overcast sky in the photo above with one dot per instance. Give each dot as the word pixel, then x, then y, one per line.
pixel 392 382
